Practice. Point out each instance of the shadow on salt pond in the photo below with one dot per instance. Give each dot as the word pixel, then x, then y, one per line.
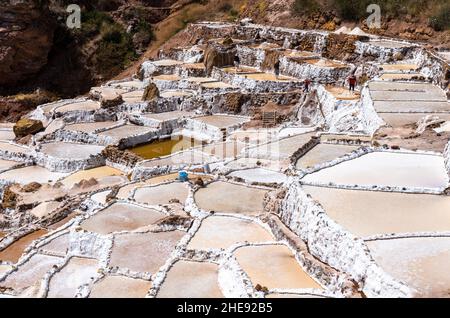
pixel 165 147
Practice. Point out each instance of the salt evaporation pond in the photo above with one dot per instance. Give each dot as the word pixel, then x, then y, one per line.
pixel 281 149
pixel 162 194
pixel 221 121
pixel 90 127
pixel 241 163
pixel 79 106
pixel 223 231
pixel 120 217
pixel 97 173
pixel 366 213
pixel 386 169
pixel 165 147
pixel 31 272
pixel 78 271
pixel 253 136
pixel 421 263
pixel 6 134
pixel 187 157
pixel 57 246
pixel 133 97
pixel 14 251
pixel 273 266
pixel 120 287
pixel 175 93
pixel 177 114
pixel 14 148
pixel 45 208
pixel 126 190
pixel 191 280
pixel 144 252
pixel 323 153
pixel 125 131
pixel 401 119
pixel 7 164
pixel 31 174
pixel 259 175
pixel 230 198
pixel 101 197
pixel 399 67
pixel 66 150
pixel 223 150
pixel 132 85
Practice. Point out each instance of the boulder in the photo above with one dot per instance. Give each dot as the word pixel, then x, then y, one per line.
pixel 123 157
pixel 31 187
pixel 112 100
pixel 151 92
pixel 199 182
pixel 84 184
pixel 26 126
pixel 9 198
pixel 175 221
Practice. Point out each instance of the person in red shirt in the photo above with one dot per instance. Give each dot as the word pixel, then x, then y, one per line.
pixel 307 82
pixel 352 83
pixel 276 68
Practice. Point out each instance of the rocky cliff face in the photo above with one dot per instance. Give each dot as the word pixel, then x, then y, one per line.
pixel 37 50
pixel 26 38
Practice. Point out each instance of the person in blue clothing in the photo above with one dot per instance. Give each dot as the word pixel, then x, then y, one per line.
pixel 183 176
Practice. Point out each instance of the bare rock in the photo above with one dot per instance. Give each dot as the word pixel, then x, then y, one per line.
pixel 339 45
pixel 108 101
pixel 175 220
pixel 27 126
pixel 124 157
pixel 219 55
pixel 151 92
pixel 84 184
pixel 9 198
pixel 199 182
pixel 26 38
pixel 31 187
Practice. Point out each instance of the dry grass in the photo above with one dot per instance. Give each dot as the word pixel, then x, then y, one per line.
pixel 176 22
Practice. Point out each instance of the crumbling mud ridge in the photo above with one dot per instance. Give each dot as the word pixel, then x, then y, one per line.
pixel 289 192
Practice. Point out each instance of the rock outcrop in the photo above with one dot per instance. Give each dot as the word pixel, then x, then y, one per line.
pixel 115 155
pixel 111 101
pixel 26 38
pixel 31 187
pixel 25 127
pixel 151 92
pixel 9 198
pixel 219 55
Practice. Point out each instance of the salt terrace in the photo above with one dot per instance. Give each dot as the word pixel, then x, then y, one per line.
pixel 289 192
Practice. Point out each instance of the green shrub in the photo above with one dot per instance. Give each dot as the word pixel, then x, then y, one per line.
pixel 226 7
pixel 441 20
pixel 304 6
pixel 234 13
pixel 113 35
pixel 352 10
